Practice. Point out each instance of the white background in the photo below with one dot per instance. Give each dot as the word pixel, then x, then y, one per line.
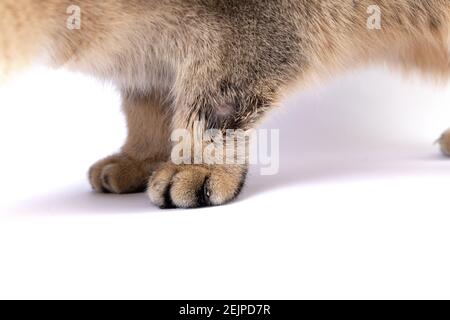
pixel 360 208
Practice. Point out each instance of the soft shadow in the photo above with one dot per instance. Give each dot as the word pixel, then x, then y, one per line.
pixel 349 130
pixel 78 200
pixel 310 173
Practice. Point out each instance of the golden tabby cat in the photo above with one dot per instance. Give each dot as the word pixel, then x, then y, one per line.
pixel 222 62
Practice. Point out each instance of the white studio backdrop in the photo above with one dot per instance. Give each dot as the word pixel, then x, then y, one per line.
pixel 359 209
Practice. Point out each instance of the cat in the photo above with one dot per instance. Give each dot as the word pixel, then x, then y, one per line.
pixel 221 63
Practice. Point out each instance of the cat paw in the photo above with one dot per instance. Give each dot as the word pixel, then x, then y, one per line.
pixel 120 174
pixel 444 143
pixel 194 186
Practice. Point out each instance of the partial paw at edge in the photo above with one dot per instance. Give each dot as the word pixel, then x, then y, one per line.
pixel 444 143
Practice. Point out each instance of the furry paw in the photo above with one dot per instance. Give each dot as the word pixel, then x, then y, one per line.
pixel 120 174
pixel 194 186
pixel 444 142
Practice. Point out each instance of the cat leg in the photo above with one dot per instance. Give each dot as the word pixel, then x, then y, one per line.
pixel 146 148
pixel 197 180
